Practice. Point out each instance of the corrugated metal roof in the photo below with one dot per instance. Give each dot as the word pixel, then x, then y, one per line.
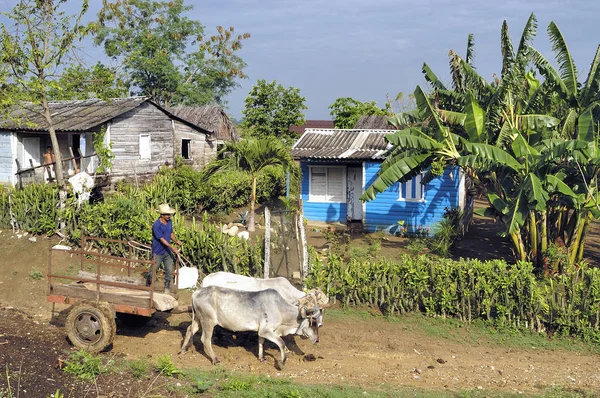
pixel 341 144
pixel 80 115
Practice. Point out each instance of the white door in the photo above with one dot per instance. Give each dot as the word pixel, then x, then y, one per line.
pixel 353 192
pixel 31 151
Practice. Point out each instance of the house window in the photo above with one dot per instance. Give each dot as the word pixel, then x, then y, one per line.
pixel 327 184
pixel 412 190
pixel 186 148
pixel 145 148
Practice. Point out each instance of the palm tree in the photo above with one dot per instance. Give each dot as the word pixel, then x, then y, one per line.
pixel 250 156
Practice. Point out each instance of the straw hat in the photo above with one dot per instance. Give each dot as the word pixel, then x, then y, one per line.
pixel 166 209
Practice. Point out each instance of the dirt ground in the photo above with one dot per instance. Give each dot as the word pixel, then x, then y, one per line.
pixel 358 351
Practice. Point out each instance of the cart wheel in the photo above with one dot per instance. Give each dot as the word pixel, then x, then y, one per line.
pixel 91 326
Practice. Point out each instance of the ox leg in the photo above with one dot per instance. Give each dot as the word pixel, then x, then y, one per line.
pixel 261 351
pixel 271 336
pixel 207 333
pixel 189 335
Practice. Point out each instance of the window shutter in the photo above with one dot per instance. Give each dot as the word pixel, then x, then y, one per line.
pixel 145 147
pixel 318 182
pixel 335 184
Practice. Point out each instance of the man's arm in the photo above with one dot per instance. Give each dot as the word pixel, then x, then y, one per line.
pixel 174 239
pixel 167 244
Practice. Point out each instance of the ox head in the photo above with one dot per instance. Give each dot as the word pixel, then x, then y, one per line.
pixel 311 316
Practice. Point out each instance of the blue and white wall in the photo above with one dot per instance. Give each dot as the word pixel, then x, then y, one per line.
pixel 390 206
pixel 384 212
pixel 333 211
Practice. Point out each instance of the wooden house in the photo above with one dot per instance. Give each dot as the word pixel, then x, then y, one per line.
pixel 338 165
pixel 144 137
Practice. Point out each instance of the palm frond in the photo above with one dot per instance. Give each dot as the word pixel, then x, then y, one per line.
pixel 470 49
pixel 592 83
pixel 413 138
pixel 475 118
pixel 401 119
pixel 456 72
pixel 492 153
pixel 566 66
pixel 529 32
pixel 568 127
pixel 550 74
pixel 506 48
pixel 431 78
pixel 401 171
pixel 453 118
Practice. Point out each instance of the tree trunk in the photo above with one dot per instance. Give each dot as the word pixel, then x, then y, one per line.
pixel 57 155
pixel 533 238
pixel 577 239
pixel 544 241
pixel 62 189
pixel 518 244
pixel 252 205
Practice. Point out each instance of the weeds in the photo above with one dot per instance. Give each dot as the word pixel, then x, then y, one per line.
pixel 85 365
pixel 36 274
pixel 165 366
pixel 138 368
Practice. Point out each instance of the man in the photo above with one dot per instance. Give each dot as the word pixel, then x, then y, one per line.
pixel 49 160
pixel 163 251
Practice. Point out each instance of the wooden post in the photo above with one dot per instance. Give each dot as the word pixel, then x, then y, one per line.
pixel 304 245
pixel 267 242
pixel 73 162
pixel 33 170
pixel 19 174
pixel 81 161
pixel 285 244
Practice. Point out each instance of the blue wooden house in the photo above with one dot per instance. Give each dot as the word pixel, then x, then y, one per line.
pixel 338 165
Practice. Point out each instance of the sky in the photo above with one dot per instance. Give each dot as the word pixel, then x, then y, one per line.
pixel 367 49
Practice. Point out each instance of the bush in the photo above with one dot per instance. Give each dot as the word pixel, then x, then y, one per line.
pixel 506 295
pixel 34 208
pixel 225 191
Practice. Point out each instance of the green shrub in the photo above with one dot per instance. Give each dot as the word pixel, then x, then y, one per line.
pixel 506 295
pixel 34 208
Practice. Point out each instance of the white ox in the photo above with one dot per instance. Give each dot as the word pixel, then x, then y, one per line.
pixel 265 312
pixel 282 285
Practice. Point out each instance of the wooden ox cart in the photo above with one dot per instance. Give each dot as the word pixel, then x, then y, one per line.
pixel 105 286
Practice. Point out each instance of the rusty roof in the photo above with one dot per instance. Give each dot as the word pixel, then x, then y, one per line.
pixel 76 115
pixel 354 144
pixel 312 124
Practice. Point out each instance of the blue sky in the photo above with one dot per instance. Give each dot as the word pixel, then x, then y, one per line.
pixel 366 49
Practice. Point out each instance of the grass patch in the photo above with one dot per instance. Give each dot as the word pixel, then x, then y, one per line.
pixel 455 330
pixel 36 274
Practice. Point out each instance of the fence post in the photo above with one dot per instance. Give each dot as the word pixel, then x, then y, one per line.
pixel 304 244
pixel 267 242
pixel 19 174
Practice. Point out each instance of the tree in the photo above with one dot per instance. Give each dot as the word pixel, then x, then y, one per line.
pixel 272 109
pixel 167 55
pixel 533 145
pixel 250 156
pixel 79 83
pixel 33 48
pixel 346 111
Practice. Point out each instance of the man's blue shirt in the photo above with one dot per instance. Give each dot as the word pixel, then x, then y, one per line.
pixel 160 230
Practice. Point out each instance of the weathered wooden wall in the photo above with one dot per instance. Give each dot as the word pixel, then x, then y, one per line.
pixel 202 151
pixel 125 133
